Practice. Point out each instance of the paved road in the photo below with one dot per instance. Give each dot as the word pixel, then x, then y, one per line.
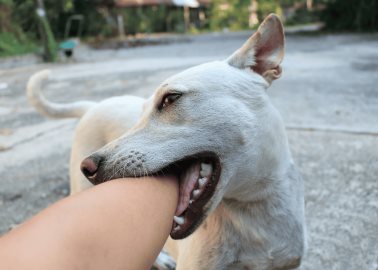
pixel 328 97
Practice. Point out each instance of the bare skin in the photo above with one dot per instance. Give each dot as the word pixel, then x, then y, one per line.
pixel 116 225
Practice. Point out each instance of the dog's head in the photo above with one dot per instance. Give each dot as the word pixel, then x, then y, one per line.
pixel 210 125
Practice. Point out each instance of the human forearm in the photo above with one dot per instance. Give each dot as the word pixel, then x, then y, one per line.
pixel 114 225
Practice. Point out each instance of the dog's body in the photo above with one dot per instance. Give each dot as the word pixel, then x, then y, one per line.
pixel 253 217
pixel 99 123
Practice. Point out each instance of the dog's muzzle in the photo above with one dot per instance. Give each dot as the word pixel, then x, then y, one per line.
pixel 198 177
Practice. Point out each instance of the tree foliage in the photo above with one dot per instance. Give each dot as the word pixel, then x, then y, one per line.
pixel 232 14
pixel 13 39
pixel 159 18
pixel 357 15
pixel 19 25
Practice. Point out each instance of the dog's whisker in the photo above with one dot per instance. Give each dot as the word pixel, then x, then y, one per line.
pixel 145 173
pixel 117 169
pixel 123 169
pixel 141 172
pixel 114 168
pixel 114 171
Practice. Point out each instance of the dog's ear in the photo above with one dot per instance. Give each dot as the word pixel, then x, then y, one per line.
pixel 264 50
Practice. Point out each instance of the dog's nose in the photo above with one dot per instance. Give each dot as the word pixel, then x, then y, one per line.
pixel 90 167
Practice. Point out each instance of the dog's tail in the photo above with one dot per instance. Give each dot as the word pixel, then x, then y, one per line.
pixel 50 109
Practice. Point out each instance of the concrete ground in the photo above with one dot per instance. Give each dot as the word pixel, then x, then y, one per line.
pixel 328 97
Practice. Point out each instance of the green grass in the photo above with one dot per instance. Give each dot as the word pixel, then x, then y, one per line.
pixel 10 45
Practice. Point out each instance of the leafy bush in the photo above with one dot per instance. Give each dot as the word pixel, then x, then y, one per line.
pixel 13 40
pixel 234 14
pixel 268 6
pixel 12 45
pixel 160 18
pixel 230 14
pixel 302 16
pixel 360 15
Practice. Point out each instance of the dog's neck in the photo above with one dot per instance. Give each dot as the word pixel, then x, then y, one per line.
pixel 267 199
pixel 273 222
pixel 262 191
pixel 263 164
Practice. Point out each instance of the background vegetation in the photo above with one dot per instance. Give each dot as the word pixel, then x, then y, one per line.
pixel 20 27
pixel 351 15
pixel 13 37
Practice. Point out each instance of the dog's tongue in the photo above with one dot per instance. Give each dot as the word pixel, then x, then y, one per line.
pixel 187 182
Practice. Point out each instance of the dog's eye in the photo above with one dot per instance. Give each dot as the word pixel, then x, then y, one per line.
pixel 168 99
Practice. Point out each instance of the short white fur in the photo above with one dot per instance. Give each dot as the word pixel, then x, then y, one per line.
pixel 255 220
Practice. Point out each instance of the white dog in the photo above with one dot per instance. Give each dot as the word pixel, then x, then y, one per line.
pixel 241 199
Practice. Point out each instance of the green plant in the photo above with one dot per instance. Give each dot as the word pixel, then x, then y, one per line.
pixel 268 6
pixel 303 16
pixel 12 45
pixel 231 14
pixel 13 40
pixel 160 18
pixel 49 43
pixel 355 15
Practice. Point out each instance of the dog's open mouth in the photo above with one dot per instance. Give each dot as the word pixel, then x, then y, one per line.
pixel 198 176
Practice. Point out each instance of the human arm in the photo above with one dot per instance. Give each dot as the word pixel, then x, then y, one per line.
pixel 116 225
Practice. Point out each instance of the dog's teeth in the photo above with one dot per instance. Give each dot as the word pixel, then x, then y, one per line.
pixel 190 201
pixel 179 220
pixel 178 227
pixel 206 169
pixel 202 182
pixel 196 193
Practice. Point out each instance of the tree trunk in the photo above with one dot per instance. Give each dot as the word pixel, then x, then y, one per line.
pixel 309 4
pixel 121 26
pixel 253 18
pixel 186 18
pixel 49 44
